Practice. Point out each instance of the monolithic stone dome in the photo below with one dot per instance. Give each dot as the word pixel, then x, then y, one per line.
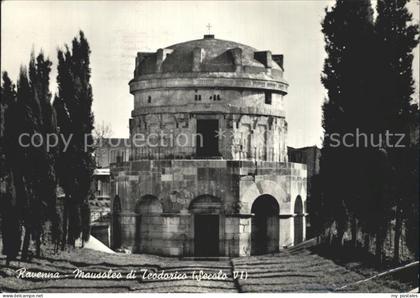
pixel 210 57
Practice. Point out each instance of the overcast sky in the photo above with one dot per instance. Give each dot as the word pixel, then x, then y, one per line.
pixel 117 30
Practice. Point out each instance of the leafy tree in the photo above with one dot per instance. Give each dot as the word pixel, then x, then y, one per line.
pixel 75 119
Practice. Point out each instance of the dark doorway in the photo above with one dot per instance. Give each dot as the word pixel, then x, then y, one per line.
pixel 298 220
pixel 265 225
pixel 207 142
pixel 206 235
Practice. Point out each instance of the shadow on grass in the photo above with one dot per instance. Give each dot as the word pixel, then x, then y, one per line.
pixel 360 261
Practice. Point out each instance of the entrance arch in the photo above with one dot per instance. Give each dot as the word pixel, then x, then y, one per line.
pixel 148 204
pixel 206 225
pixel 147 207
pixel 298 220
pixel 265 225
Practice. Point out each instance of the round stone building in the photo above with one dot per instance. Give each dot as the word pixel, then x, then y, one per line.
pixel 208 173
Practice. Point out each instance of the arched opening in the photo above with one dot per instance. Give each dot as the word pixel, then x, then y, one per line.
pixel 146 208
pixel 148 204
pixel 265 225
pixel 298 220
pixel 206 213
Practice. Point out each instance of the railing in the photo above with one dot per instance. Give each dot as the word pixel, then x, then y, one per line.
pixel 236 153
pixel 414 264
pixel 141 153
pixel 263 153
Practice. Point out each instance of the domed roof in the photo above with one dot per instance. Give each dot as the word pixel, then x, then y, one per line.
pixel 209 62
pixel 206 55
pixel 216 52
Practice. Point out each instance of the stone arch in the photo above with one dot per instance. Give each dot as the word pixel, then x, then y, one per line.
pixel 205 204
pixel 244 119
pixel 265 187
pixel 148 204
pixel 206 225
pixel 265 225
pixel 274 189
pixel 299 216
pixel 147 208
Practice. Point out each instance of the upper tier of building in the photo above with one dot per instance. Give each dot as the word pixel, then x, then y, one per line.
pixel 209 62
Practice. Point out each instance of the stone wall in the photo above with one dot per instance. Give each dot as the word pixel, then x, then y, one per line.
pixel 170 186
pixel 240 137
pixel 178 98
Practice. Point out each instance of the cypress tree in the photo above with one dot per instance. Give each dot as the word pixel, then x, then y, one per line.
pixel 75 118
pixel 10 217
pixel 31 168
pixel 397 36
pixel 348 33
pixel 368 75
pixel 38 195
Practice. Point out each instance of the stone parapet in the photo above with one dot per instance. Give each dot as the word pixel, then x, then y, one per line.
pixel 202 82
pixel 211 108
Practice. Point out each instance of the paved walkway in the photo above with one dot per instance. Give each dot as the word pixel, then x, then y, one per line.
pixel 283 272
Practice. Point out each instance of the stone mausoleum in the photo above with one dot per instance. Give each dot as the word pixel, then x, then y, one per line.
pixel 214 180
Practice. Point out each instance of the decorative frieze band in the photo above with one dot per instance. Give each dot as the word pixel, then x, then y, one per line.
pixel 220 82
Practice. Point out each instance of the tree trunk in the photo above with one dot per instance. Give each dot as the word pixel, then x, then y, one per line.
pixel 25 246
pixel 379 247
pixel 340 235
pixel 38 245
pixel 65 223
pixel 398 230
pixel 367 242
pixel 353 231
pixel 10 229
